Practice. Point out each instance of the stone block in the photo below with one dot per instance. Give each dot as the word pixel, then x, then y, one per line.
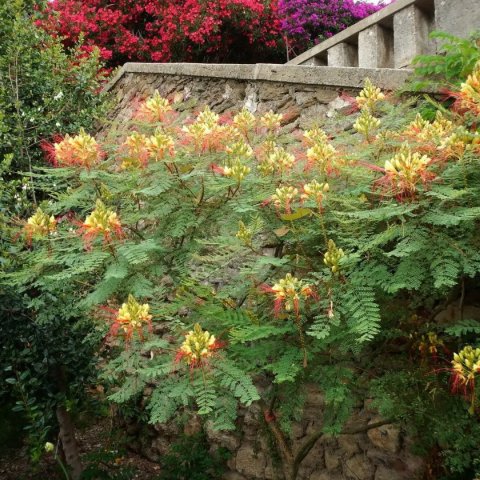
pixel 343 55
pixel 411 28
pixel 349 444
pixel 458 17
pixel 358 468
pixel 332 459
pixel 386 437
pixel 375 47
pixel 250 462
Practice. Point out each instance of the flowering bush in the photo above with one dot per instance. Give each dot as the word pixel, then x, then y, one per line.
pixel 257 263
pixel 307 22
pixel 155 31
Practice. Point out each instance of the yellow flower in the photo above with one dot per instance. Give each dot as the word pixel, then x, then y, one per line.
pixel 159 144
pixel 469 95
pixel 49 447
pixel 466 364
pixel 283 197
pixel 155 108
pixel 406 169
pixel 271 121
pixel 101 221
pixel 237 171
pixel 239 149
pixel 369 96
pixel 244 121
pixel 366 123
pixel 288 291
pixel 322 156
pixel 131 318
pixel 280 160
pixel 136 151
pixel 315 136
pixel 82 150
pixel 415 127
pixel 436 131
pixel 197 346
pixel 40 224
pixel 207 133
pixel 315 190
pixel 244 234
pixel 333 256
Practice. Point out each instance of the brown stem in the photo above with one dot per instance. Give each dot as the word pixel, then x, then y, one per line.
pixel 69 442
pixel 291 460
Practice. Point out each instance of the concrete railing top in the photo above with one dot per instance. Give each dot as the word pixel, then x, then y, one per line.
pixel 393 36
pixel 341 77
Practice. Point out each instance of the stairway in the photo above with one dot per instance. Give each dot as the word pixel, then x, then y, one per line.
pixel 393 36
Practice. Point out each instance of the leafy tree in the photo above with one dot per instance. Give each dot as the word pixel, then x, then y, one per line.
pixel 44 90
pixel 225 267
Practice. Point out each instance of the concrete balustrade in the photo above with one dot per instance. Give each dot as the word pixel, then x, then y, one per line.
pixel 375 47
pixel 343 55
pixel 394 36
pixel 411 27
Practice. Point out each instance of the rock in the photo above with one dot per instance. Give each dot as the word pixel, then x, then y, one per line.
pixel 324 476
pixel 349 444
pixel 386 473
pixel 250 462
pixel 229 440
pixel 231 475
pixel 193 426
pixel 386 437
pixel 359 468
pixel 332 459
pixel 335 105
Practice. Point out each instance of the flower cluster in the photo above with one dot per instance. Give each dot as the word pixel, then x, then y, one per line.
pixel 369 96
pixel 465 367
pixel 277 160
pixel 102 221
pixel 40 224
pixel 406 169
pixel 316 191
pixel 155 108
pixel 322 155
pixel 207 134
pixel 333 256
pixel 135 151
pixel 283 197
pixel 469 95
pixel 306 23
pixel 430 343
pixel 244 234
pixel 287 293
pixel 244 121
pixel 198 346
pixel 81 150
pixel 153 31
pixel 131 317
pixel 366 124
pixel 271 121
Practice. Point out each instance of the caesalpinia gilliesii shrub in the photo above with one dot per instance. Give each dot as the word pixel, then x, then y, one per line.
pixel 254 255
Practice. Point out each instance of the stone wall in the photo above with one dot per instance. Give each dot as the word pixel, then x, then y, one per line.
pixel 379 454
pixel 306 95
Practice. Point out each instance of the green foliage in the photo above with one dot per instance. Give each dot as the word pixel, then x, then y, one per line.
pixel 44 91
pixel 253 279
pixel 457 59
pixel 191 459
